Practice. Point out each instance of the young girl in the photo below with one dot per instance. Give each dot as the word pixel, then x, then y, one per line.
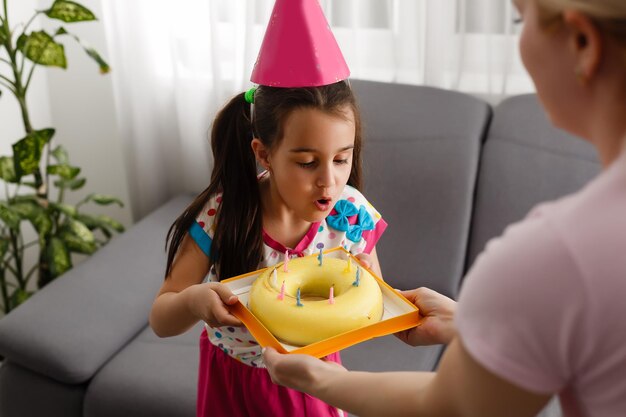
pixel 308 143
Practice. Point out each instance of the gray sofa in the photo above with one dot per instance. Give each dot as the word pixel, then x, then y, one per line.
pixel 448 172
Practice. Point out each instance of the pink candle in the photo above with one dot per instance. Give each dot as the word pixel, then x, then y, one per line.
pixel 286 261
pixel 281 296
pixel 331 297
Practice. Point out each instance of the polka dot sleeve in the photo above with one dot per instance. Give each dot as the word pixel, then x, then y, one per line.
pixel 203 229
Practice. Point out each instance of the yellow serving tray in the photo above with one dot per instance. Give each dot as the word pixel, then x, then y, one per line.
pixel 398 314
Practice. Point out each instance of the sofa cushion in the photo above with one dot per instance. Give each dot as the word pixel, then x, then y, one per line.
pixel 150 377
pixel 525 161
pixel 421 152
pixel 72 327
pixel 25 393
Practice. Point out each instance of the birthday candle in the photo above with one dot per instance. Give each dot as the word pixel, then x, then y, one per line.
pixel 331 297
pixel 349 264
pixel 281 296
pixel 320 256
pixel 358 273
pixel 286 261
pixel 298 302
pixel 274 278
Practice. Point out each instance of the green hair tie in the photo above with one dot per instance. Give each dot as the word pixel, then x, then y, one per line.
pixel 249 95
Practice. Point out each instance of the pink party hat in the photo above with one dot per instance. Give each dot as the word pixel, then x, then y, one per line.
pixel 299 49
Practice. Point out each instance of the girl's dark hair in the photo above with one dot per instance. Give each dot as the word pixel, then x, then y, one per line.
pixel 237 245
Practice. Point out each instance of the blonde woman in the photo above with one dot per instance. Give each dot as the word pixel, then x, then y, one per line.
pixel 567 260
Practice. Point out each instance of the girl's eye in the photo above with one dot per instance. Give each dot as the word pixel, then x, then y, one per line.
pixel 306 164
pixel 341 161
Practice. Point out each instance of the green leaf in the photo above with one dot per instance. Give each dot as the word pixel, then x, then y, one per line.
pixel 40 48
pixel 4 246
pixel 9 217
pixel 111 223
pixel 19 296
pixel 43 224
pixel 76 244
pixel 69 12
pixel 30 184
pixel 74 184
pixel 3 35
pixel 104 200
pixel 107 234
pixel 80 230
pixel 92 53
pixel 57 256
pixel 27 209
pixel 27 198
pixel 27 151
pixel 66 172
pixel 7 169
pixel 101 222
pixel 60 155
pixel 69 211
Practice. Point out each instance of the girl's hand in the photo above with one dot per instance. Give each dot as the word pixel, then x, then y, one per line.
pixel 300 372
pixel 210 303
pixel 437 325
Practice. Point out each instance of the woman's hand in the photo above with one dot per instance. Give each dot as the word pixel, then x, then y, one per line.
pixel 211 303
pixel 301 372
pixel 437 325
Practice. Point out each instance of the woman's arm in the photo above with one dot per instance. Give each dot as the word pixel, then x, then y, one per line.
pixel 184 300
pixel 461 387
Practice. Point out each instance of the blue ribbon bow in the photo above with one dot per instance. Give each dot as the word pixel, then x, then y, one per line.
pixel 339 221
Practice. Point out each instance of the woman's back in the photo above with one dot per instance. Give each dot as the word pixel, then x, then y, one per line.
pixel 543 309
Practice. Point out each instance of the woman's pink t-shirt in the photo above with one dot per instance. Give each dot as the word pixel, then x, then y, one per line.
pixel 544 306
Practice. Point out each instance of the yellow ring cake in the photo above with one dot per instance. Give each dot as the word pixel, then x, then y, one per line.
pixel 315 299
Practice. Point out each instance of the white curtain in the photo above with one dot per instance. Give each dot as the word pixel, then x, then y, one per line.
pixel 176 63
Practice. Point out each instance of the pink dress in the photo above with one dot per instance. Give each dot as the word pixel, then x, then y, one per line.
pixel 232 378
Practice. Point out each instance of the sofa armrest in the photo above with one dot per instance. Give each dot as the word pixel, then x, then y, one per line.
pixel 70 328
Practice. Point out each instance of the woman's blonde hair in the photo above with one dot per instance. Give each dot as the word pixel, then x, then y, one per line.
pixel 609 15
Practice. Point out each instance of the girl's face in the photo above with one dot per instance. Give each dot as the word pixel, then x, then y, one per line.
pixel 312 163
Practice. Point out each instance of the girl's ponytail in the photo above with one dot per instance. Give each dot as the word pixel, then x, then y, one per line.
pixel 237 241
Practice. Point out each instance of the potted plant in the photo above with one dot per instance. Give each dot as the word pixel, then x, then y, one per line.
pixel 39 175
